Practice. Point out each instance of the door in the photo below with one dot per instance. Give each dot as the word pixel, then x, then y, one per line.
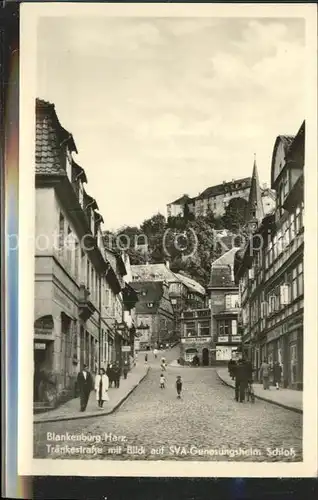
pixel 205 357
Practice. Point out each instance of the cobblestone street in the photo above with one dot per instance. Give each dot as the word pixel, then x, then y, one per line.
pixel 206 418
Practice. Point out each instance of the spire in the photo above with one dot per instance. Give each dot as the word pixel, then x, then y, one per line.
pixel 255 210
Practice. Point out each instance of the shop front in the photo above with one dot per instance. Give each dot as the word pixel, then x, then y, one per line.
pixel 196 346
pixel 43 353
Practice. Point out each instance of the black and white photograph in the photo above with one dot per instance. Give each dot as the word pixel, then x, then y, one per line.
pixel 170 238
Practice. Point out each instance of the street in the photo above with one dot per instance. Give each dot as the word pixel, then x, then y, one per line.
pixel 153 424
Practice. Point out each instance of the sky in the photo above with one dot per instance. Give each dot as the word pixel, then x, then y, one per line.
pixel 160 107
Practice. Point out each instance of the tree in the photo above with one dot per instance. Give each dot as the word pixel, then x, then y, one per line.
pixel 234 217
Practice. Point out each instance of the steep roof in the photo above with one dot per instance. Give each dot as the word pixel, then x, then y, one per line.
pixel 286 141
pixel 181 201
pixel 225 187
pixel 149 292
pixel 49 136
pixel 222 269
pixel 191 284
pixel 152 272
pixel 254 208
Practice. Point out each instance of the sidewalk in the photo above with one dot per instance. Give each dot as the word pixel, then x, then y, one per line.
pixel 287 398
pixel 70 410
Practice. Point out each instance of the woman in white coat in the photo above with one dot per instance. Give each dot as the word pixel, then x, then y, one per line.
pixel 101 387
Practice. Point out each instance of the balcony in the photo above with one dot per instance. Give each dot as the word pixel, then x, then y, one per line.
pixel 86 307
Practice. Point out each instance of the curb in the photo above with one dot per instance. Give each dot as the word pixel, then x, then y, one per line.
pixel 99 414
pixel 282 405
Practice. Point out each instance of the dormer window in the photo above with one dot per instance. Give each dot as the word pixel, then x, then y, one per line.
pixel 150 304
pixel 69 166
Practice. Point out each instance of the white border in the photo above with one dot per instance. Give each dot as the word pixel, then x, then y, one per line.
pixel 26 464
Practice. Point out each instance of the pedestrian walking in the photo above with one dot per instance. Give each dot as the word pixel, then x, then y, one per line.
pixel 110 374
pixel 85 385
pixel 117 373
pixel 155 353
pixel 146 359
pixel 277 372
pixel 101 387
pixel 125 369
pixel 241 379
pixel 162 381
pixel 179 386
pixel 264 374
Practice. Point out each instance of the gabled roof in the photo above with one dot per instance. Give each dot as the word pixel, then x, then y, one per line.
pixel 181 201
pixel 222 270
pixel 152 272
pixel 191 284
pixel 153 294
pixel 286 141
pixel 225 187
pixel 49 137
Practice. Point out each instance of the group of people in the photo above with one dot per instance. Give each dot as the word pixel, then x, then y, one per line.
pixel 178 384
pixel 242 372
pixel 103 380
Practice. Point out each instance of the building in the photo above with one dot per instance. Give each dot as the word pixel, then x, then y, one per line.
pixel 184 292
pixel 270 269
pixel 155 320
pixel 225 308
pixel 176 208
pixel 217 198
pixel 78 284
pixel 196 337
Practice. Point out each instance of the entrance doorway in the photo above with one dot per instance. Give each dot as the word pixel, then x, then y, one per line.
pixel 205 357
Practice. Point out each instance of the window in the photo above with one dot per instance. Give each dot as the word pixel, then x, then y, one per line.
pixel 150 304
pixel 189 329
pixel 224 327
pixel 76 259
pixel 69 248
pixel 61 231
pixel 292 226
pixel 231 301
pixel 204 328
pixel 173 302
pixel 272 304
pixel 298 219
pixel 300 279
pixel 234 327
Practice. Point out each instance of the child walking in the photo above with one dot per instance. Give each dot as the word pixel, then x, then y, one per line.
pixel 162 381
pixel 179 386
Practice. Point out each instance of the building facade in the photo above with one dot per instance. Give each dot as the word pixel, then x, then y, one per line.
pixel 184 292
pixel 196 339
pixel 216 198
pixel 155 319
pixel 225 308
pixel 270 269
pixel 74 322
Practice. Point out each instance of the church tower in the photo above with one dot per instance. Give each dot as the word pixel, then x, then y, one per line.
pixel 254 209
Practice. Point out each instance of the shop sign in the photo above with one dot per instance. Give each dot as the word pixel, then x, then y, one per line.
pixel 223 339
pixel 125 348
pixel 39 346
pixel 236 338
pixel 195 340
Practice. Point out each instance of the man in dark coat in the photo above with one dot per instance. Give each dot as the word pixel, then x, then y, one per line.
pixel 85 385
pixel 110 374
pixel 117 373
pixel 241 379
pixel 231 368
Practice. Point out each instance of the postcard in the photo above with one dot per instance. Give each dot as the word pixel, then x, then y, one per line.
pixel 167 246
